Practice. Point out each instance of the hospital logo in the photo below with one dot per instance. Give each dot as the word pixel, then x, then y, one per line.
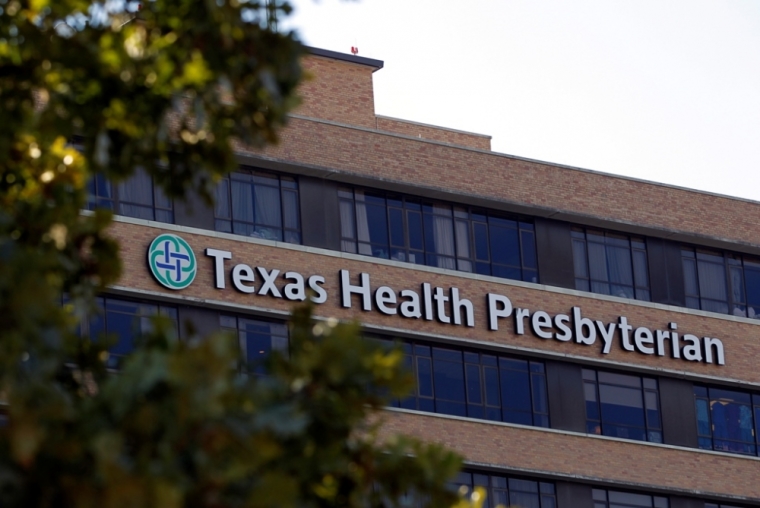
pixel 172 261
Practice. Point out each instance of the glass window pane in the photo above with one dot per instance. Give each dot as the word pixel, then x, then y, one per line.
pixel 242 201
pixel 267 206
pixel 505 249
pixel 347 219
pixel 597 262
pixel 414 221
pixel 290 213
pixel 480 231
pixel 529 259
pixel 397 227
pixel 137 189
pixel 712 281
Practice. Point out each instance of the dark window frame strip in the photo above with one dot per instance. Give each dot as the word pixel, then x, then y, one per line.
pixel 126 198
pixel 437 233
pixel 602 388
pixel 230 216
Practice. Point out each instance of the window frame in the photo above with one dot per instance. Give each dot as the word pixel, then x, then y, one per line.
pixel 601 499
pixel 512 407
pixel 505 490
pixel 116 202
pixel 287 192
pixel 702 393
pixel 636 247
pixel 458 216
pixel 738 301
pixel 248 365
pixel 653 433
pixel 100 322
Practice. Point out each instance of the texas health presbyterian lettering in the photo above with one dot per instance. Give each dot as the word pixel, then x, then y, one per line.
pixel 173 265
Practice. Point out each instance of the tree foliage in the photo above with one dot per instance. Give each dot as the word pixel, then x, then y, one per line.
pixel 102 88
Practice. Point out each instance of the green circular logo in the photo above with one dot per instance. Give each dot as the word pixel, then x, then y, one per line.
pixel 172 261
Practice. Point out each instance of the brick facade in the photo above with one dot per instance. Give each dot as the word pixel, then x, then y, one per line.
pixel 335 134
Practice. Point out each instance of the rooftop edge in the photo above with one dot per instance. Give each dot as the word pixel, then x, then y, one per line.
pixel 335 55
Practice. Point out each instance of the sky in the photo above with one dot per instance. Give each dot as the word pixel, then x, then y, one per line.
pixel 662 90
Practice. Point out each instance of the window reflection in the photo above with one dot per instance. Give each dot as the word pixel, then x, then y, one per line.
pixel 622 405
pixel 259 205
pixel 616 499
pixel 477 385
pixel 404 228
pixel 135 197
pixel 125 321
pixel 610 264
pixel 507 491
pixel 727 419
pixel 257 339
pixel 727 283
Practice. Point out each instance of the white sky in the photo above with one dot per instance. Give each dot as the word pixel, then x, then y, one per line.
pixel 665 90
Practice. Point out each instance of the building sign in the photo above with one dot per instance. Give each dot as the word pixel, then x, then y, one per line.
pixel 173 264
pixel 172 261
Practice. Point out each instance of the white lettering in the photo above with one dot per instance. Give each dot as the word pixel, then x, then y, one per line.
pixel 269 280
pixel 541 324
pixel 346 289
pixel 456 308
pixel 295 290
pixel 499 306
pixel 240 274
pixel 320 295
pixel 383 296
pixel 410 309
pixel 219 257
pixel 642 337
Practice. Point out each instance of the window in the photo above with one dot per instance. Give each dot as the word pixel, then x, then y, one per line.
pixel 259 204
pixel 507 491
pixel 258 338
pixel 136 197
pixel 615 499
pixel 126 321
pixel 476 385
pixel 727 420
pixel 610 264
pixel 438 234
pixel 717 282
pixel 622 405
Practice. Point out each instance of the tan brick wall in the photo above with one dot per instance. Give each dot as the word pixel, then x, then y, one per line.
pixel 436 134
pixel 517 182
pixel 338 91
pixel 740 339
pixel 584 457
pixel 480 442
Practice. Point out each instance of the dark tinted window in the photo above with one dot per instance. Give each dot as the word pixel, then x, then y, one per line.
pixel 260 205
pixel 616 499
pixel 257 339
pixel 439 234
pixel 507 491
pixel 721 282
pixel 136 197
pixel 610 264
pixel 727 420
pixel 476 384
pixel 123 321
pixel 622 405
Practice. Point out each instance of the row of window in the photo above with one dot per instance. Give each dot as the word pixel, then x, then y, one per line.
pixel 507 491
pixel 404 228
pixel 477 384
pixel 437 234
pixel 468 383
